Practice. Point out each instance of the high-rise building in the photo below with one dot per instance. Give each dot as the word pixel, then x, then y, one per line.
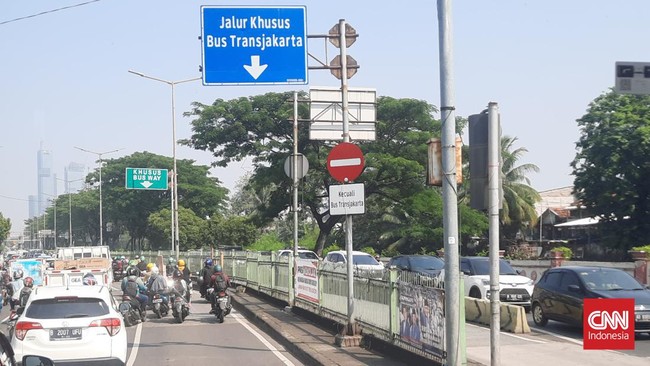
pixel 74 175
pixel 33 205
pixel 46 179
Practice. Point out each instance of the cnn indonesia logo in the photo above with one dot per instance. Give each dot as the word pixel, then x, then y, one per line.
pixel 608 324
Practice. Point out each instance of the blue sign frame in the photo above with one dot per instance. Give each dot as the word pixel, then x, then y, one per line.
pixel 254 45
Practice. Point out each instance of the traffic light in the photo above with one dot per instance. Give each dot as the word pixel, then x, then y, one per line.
pixel 478 160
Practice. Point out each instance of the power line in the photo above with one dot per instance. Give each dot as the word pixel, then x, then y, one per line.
pixel 47 12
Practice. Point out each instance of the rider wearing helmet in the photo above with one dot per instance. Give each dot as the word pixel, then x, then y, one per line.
pixel 180 286
pixel 205 276
pixel 16 286
pixel 142 265
pixel 219 282
pixel 171 266
pixel 186 276
pixel 28 284
pixel 133 286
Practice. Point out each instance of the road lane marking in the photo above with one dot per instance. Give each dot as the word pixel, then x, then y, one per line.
pixel 136 345
pixel 559 336
pixel 268 345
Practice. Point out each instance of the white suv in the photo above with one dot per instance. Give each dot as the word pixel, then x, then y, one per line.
pixel 75 324
pixel 513 288
pixel 364 264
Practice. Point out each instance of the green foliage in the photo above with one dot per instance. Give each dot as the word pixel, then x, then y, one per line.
pixel 643 248
pixel 267 242
pixel 191 229
pixel 567 253
pixel 229 231
pixel 5 227
pixel 612 169
pixel 389 252
pixel 519 197
pixel 330 248
pixel 369 250
pixel 483 253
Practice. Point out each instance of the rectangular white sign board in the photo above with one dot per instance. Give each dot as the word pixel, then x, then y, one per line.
pixel 326 113
pixel 347 199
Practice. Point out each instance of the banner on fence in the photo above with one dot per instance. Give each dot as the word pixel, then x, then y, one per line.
pixel 422 317
pixel 307 279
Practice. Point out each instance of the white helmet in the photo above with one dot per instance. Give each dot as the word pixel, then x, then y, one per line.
pixel 155 270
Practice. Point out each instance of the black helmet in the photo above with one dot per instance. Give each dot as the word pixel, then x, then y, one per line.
pixel 133 271
pixel 177 274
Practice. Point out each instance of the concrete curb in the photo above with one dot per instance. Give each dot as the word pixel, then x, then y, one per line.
pixel 275 329
pixel 513 317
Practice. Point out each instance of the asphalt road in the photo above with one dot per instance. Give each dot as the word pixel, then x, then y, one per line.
pixel 573 334
pixel 199 340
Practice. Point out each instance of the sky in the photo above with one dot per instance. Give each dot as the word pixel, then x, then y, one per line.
pixel 64 79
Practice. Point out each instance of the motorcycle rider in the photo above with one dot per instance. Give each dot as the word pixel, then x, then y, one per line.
pixel 171 266
pixel 180 286
pixel 16 285
pixel 186 275
pixel 133 286
pixel 219 282
pixel 205 276
pixel 28 284
pixel 157 284
pixel 142 265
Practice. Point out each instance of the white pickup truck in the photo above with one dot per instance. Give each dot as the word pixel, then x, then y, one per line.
pixel 73 263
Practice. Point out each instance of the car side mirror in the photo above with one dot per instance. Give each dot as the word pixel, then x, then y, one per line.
pixel 519 272
pixel 574 289
pixel 37 361
pixel 465 272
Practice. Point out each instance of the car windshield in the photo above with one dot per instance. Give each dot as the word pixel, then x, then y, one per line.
pixel 482 267
pixel 426 263
pixel 604 280
pixel 68 307
pixel 364 259
pixel 307 255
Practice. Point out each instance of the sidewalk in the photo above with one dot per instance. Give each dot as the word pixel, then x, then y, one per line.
pixel 310 343
pixel 314 344
pixel 537 349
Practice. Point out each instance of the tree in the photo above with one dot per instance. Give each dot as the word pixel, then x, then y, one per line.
pixel 259 127
pixel 612 169
pixel 5 227
pixel 518 196
pixel 129 209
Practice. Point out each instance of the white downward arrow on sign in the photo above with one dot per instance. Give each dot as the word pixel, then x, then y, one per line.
pixel 146 184
pixel 255 69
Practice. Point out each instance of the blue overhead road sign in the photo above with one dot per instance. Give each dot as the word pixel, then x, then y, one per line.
pixel 254 45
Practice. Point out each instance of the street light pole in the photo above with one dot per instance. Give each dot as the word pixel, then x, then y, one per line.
pixel 175 227
pixel 101 219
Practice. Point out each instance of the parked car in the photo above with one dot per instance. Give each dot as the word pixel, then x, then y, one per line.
pixel 514 288
pixel 559 295
pixel 364 263
pixel 64 323
pixel 302 253
pixel 422 264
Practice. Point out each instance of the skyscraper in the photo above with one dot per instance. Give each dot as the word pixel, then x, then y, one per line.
pixel 46 179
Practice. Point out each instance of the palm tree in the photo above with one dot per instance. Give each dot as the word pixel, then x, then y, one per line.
pixel 518 196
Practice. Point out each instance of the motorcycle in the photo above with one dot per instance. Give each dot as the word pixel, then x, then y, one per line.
pixel 222 305
pixel 180 309
pixel 131 311
pixel 160 305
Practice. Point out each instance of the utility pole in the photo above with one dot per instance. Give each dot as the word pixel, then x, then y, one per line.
pixel 454 340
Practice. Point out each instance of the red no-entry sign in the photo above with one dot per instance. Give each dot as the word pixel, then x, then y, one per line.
pixel 345 162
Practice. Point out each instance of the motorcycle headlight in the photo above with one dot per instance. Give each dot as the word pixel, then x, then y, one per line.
pixel 125 307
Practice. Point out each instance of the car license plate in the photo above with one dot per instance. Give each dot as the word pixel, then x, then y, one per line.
pixel 514 297
pixel 64 334
pixel 156 301
pixel 643 317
